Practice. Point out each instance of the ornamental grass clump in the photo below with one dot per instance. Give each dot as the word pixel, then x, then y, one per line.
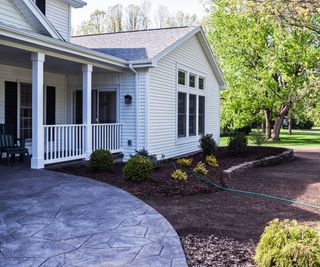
pixel 101 160
pixel 179 175
pixel 212 161
pixel 288 244
pixel 201 168
pixel 184 162
pixel 137 168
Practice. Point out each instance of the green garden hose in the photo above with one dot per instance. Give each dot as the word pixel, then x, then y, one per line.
pixel 212 184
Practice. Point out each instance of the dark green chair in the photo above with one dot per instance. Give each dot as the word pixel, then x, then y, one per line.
pixel 10 146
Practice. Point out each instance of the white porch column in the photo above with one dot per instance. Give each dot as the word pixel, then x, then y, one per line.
pixel 86 102
pixel 37 161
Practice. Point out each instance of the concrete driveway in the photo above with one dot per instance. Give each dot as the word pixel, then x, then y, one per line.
pixel 54 219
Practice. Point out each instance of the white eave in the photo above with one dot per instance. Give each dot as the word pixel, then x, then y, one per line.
pixel 76 3
pixel 32 39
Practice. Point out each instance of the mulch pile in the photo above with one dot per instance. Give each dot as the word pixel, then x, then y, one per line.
pixel 213 251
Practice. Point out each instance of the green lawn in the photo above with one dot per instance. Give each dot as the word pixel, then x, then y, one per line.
pixel 298 139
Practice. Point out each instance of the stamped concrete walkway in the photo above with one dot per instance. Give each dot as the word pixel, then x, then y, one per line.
pixel 53 219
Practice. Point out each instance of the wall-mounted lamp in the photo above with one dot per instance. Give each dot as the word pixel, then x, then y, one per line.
pixel 128 99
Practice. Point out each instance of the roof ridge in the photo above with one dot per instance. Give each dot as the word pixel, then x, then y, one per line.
pixel 144 30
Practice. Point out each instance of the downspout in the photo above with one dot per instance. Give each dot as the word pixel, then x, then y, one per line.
pixel 136 95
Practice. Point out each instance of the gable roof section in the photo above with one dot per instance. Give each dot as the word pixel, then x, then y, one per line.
pixel 35 18
pixel 10 15
pixel 134 45
pixel 148 46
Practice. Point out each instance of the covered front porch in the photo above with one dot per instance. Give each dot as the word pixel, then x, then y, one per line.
pixel 64 107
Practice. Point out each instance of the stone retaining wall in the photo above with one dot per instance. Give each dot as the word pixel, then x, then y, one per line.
pixel 267 161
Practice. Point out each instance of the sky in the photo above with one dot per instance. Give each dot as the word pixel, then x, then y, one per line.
pixel 187 6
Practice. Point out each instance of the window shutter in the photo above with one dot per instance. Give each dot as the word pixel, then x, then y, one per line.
pixel 11 102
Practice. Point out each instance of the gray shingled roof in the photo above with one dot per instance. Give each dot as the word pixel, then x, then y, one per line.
pixel 136 45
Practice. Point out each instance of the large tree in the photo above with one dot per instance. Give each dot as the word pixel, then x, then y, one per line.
pixel 296 13
pixel 115 18
pixel 134 17
pixel 269 67
pixel 95 24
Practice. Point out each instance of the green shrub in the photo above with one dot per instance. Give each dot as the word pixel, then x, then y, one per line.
pixel 201 168
pixel 208 145
pixel 152 157
pixel 184 162
pixel 237 143
pixel 212 161
pixel 179 175
pixel 137 168
pixel 258 137
pixel 288 244
pixel 101 160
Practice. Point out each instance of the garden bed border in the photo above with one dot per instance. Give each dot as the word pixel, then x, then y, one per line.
pixel 285 156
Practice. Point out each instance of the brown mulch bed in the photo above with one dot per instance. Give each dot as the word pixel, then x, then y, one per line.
pixel 220 228
pixel 214 251
pixel 161 184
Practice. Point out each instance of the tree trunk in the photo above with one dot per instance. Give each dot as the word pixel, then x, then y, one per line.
pixel 263 127
pixel 290 125
pixel 267 116
pixel 284 109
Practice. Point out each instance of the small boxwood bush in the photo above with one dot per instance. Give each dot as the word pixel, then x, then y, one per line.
pixel 137 168
pixel 101 160
pixel 288 244
pixel 208 145
pixel 152 157
pixel 237 143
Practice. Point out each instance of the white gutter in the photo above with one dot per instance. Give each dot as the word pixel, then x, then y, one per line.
pixel 136 97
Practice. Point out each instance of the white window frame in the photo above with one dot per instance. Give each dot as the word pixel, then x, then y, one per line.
pixel 189 91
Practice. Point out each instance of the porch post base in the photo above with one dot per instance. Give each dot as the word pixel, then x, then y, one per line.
pixel 37 163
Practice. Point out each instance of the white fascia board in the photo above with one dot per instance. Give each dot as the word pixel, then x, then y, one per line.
pixel 65 47
pixel 205 46
pixel 76 3
pixel 176 44
pixel 213 62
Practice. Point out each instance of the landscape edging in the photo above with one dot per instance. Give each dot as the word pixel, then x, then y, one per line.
pixel 285 156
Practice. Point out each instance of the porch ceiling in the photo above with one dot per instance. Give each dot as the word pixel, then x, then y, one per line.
pixel 22 58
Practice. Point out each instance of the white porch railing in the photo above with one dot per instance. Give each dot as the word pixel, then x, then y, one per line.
pixel 107 136
pixel 63 142
pixel 66 142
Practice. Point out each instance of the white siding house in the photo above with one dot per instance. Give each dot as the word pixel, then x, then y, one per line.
pixel 121 91
pixel 163 89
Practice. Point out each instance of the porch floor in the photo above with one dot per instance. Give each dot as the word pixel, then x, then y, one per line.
pixel 54 219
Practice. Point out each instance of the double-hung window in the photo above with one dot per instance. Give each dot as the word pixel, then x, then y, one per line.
pixel 182 114
pixel 201 114
pixel 192 115
pixel 190 104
